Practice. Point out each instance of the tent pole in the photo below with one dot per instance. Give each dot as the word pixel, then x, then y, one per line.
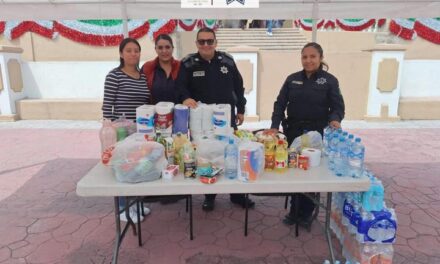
pixel 124 19
pixel 314 20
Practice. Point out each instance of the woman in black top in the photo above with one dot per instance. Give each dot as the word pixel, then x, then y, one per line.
pixel 162 71
pixel 313 101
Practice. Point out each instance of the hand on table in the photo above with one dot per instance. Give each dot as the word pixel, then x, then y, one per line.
pixel 191 103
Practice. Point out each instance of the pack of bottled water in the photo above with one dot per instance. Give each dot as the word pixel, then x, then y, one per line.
pixel 345 152
pixel 364 225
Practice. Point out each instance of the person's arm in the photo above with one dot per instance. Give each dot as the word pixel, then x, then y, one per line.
pixel 239 92
pixel 110 90
pixel 240 100
pixel 182 83
pixel 279 107
pixel 337 106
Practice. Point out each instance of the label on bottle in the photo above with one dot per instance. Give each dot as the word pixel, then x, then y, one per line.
pixel 189 169
pixel 269 161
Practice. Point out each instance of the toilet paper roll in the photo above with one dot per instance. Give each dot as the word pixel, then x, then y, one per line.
pixel 145 119
pixel 181 117
pixel 314 156
pixel 195 119
pixel 164 118
pixel 207 117
pixel 221 119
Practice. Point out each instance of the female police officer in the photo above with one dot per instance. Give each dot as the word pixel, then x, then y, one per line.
pixel 313 101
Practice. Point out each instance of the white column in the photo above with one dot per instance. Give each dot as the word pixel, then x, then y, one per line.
pixel 378 99
pixel 11 83
pixel 249 54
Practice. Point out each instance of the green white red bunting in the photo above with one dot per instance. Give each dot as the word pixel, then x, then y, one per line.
pixel 409 29
pixel 97 32
pixel 110 32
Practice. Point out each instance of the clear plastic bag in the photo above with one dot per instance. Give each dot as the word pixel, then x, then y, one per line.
pixel 136 160
pixel 212 150
pixel 311 139
pixel 251 160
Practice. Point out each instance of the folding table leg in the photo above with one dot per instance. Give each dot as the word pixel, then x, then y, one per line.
pixel 118 232
pixel 328 209
pixel 139 222
pixel 191 236
pixel 127 215
pixel 246 207
pixel 296 199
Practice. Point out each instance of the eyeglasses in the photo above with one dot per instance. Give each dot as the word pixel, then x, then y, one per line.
pixel 167 47
pixel 209 42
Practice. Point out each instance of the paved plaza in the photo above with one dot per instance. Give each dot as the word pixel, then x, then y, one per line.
pixel 42 220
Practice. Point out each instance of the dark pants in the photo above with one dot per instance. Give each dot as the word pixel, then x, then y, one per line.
pixel 211 197
pixel 293 130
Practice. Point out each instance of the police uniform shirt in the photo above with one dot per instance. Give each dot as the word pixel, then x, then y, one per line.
pixel 315 99
pixel 217 81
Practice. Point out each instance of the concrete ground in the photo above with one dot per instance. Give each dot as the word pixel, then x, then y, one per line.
pixel 42 220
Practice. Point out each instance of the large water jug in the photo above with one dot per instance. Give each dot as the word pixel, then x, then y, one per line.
pixel 231 160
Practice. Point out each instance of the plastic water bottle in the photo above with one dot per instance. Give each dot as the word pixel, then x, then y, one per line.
pixel 341 158
pixel 328 133
pixel 231 160
pixel 332 150
pixel 356 159
pixel 372 200
pixel 107 135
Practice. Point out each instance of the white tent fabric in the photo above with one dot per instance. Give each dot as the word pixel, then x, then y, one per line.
pixel 280 9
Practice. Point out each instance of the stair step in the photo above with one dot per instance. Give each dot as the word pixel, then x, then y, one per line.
pixel 282 38
pixel 241 42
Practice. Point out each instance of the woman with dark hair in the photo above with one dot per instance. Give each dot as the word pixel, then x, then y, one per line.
pixel 313 101
pixel 161 77
pixel 125 89
pixel 162 71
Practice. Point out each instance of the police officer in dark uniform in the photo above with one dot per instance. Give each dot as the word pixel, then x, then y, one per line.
pixel 313 101
pixel 212 77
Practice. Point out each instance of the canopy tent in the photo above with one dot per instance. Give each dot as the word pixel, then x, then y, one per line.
pixel 280 9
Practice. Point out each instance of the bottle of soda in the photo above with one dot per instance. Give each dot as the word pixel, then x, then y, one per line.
pixel 231 160
pixel 107 135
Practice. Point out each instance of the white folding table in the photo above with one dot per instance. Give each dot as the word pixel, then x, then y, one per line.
pixel 100 181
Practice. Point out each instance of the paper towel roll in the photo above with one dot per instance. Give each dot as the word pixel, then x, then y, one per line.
pixel 195 120
pixel 221 119
pixel 145 119
pixel 207 117
pixel 164 118
pixel 314 156
pixel 181 117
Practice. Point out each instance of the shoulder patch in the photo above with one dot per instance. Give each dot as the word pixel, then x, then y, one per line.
pixel 189 61
pixel 226 58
